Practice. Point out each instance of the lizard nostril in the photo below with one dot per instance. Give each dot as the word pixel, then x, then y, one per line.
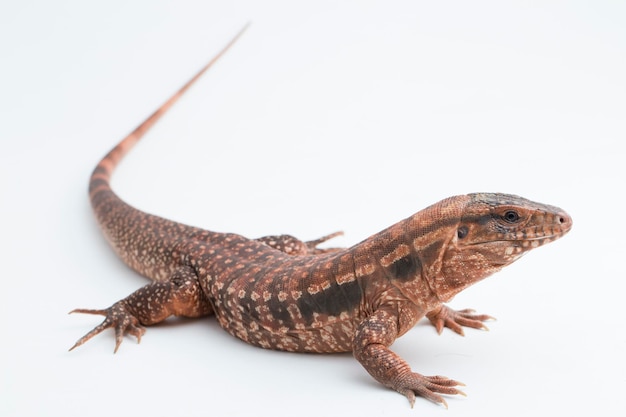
pixel 564 221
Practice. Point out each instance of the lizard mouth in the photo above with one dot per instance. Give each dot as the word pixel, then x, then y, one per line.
pixel 517 246
pixel 536 238
pixel 521 246
pixel 519 242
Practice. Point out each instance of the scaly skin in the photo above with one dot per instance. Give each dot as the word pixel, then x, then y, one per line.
pixel 280 293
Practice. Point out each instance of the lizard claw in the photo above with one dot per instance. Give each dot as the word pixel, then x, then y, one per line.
pixel 455 320
pixel 117 317
pixel 428 387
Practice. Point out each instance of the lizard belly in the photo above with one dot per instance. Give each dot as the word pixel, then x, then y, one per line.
pixel 332 335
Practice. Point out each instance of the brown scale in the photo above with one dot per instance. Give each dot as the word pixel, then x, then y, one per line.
pixel 278 292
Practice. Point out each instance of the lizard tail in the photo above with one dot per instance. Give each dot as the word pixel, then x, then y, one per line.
pixel 100 178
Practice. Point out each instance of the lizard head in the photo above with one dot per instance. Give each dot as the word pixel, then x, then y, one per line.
pixel 493 231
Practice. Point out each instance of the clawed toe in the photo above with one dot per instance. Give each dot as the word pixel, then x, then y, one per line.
pixel 456 320
pixel 429 387
pixel 116 317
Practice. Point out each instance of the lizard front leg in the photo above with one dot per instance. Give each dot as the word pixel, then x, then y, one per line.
pixel 445 316
pixel 371 349
pixel 181 295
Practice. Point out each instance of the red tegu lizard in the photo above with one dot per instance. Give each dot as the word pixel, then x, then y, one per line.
pixel 280 293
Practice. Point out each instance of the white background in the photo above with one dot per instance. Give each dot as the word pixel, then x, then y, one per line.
pixel 327 115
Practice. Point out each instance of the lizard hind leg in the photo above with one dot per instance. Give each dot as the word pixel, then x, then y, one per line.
pixel 181 295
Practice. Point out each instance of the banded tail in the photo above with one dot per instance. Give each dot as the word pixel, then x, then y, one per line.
pixel 134 234
pixel 101 175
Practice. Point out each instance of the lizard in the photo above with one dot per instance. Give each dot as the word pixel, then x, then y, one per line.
pixel 278 292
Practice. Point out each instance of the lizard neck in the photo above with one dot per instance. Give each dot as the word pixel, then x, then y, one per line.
pixel 405 260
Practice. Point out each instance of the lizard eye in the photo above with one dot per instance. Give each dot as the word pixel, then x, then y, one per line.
pixel 510 216
pixel 462 232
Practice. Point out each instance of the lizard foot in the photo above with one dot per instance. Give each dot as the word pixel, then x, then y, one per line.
pixel 117 317
pixel 413 384
pixel 294 246
pixel 455 320
pixel 312 244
